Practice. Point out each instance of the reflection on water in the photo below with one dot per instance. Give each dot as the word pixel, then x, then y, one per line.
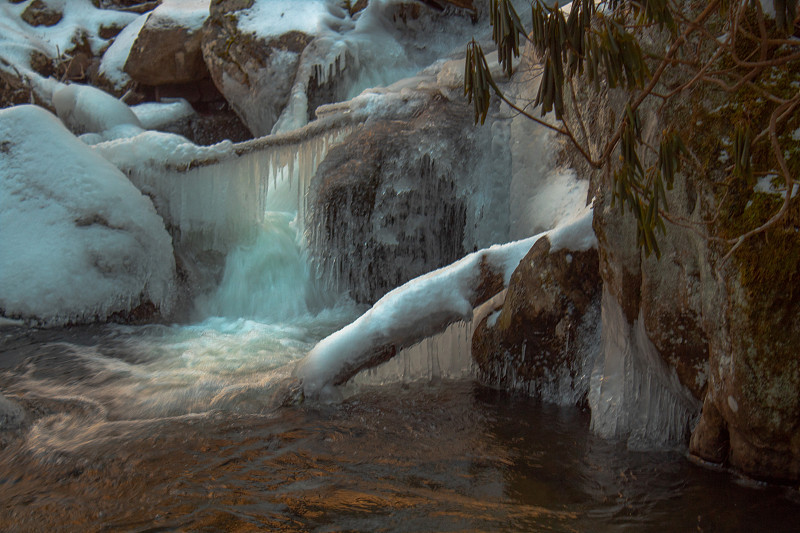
pixel 98 454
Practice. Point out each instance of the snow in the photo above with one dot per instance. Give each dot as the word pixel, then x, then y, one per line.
pixel 78 241
pixel 271 18
pixel 773 184
pixel 80 18
pixel 132 147
pixel 556 198
pixel 573 232
pixel 85 109
pixel 155 115
pixel 189 14
pixel 418 309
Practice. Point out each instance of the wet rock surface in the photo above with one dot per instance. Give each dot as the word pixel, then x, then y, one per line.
pixel 532 343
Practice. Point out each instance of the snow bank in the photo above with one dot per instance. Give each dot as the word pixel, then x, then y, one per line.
pixel 421 308
pixel 78 241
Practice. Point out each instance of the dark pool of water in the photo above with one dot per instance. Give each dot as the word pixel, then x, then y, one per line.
pixel 453 456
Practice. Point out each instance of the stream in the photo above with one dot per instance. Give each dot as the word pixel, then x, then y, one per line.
pixel 181 427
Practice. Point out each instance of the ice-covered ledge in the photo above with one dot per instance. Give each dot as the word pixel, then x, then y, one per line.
pixel 210 197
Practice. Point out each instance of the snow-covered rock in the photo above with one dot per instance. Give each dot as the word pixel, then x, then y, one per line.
pixel 302 54
pixel 253 49
pixel 84 109
pixel 167 48
pixel 78 242
pixel 53 38
pixel 545 337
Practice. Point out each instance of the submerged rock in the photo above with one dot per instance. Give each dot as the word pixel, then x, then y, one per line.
pixel 543 339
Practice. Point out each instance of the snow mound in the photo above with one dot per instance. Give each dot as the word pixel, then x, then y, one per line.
pixel 78 242
pixel 85 109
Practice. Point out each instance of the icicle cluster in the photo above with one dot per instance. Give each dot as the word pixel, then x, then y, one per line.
pixel 438 190
pixel 211 205
pixel 413 228
pixel 633 393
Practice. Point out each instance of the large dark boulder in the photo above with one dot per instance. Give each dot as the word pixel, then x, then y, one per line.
pixel 403 196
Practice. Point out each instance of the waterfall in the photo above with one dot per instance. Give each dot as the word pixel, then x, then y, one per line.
pixel 218 199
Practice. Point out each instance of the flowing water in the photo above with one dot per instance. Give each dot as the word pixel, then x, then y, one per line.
pixel 182 428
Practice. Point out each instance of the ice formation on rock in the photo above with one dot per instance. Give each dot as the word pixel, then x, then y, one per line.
pixel 634 395
pixel 213 197
pixel 444 355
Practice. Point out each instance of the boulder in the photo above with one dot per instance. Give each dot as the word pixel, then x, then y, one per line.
pixel 405 195
pixel 751 411
pixel 80 243
pixel 726 328
pixel 167 49
pixel 41 13
pixel 543 339
pixel 254 70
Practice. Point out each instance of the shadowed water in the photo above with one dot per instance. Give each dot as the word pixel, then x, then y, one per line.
pixel 97 453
